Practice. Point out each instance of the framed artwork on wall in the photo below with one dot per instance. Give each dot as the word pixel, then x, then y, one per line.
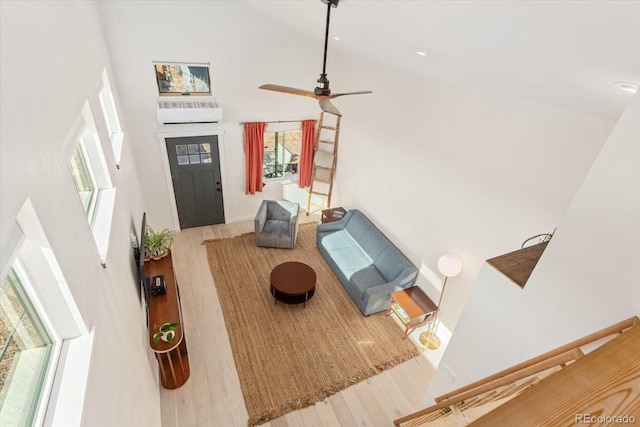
pixel 181 78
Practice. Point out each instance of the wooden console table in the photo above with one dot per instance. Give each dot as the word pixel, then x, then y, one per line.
pixel 173 359
pixel 413 307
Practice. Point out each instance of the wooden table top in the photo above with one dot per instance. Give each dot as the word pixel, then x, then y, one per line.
pixel 333 214
pixel 414 301
pixel 293 278
pixel 164 308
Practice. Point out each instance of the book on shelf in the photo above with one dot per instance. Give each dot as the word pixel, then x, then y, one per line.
pixel 400 312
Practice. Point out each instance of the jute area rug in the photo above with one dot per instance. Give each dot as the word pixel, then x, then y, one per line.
pixel 289 357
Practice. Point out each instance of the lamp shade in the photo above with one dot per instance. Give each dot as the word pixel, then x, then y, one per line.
pixel 450 265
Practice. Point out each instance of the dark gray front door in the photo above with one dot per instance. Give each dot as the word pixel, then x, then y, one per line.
pixel 195 171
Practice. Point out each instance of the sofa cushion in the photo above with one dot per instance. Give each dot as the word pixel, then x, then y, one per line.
pixel 373 242
pixel 366 278
pixel 391 262
pixel 336 240
pixel 357 225
pixel 351 260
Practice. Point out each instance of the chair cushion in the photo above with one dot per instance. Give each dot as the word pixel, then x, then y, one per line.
pixel 276 228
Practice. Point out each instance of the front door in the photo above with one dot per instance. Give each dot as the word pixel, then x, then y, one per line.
pixel 195 171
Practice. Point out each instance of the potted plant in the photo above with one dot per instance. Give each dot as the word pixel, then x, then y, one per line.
pixel 158 243
pixel 166 332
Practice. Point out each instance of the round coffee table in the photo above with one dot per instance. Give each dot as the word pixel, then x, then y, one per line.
pixel 293 283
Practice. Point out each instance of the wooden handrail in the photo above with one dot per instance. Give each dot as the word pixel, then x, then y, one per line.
pixel 603 333
pixel 541 366
pixel 559 356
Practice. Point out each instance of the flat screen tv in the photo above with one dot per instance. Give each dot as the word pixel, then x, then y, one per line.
pixel 142 279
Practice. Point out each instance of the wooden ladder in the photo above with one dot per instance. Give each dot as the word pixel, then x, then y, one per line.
pixel 325 158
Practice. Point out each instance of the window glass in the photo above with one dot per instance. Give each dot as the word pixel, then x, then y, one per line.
pixel 281 153
pixel 26 348
pixel 193 154
pixel 110 114
pixel 84 179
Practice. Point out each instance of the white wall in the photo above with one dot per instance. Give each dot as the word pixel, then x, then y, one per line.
pixel 586 280
pixel 439 167
pixel 444 168
pixel 244 50
pixel 53 54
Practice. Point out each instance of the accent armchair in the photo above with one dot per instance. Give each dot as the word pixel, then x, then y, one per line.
pixel 276 224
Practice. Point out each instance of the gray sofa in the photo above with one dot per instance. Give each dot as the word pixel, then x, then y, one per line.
pixel 276 224
pixel 367 264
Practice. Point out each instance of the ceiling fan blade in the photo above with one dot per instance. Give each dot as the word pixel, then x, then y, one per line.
pixel 328 107
pixel 362 92
pixel 290 90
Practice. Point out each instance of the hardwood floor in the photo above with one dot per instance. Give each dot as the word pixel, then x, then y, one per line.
pixel 212 395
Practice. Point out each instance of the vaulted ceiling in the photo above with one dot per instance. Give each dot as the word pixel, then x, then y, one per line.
pixel 567 53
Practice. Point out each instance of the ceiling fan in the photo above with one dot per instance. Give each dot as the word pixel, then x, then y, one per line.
pixel 322 92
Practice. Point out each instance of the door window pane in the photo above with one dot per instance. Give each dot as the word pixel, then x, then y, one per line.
pixel 183 160
pixel 26 348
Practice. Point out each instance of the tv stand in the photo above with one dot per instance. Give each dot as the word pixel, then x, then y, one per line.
pixel 173 359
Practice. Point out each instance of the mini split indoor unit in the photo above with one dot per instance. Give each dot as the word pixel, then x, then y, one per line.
pixel 192 111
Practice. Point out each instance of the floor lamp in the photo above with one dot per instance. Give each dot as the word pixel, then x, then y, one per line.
pixel 450 266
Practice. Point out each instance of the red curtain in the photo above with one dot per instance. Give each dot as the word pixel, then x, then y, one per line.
pixel 254 155
pixel 306 153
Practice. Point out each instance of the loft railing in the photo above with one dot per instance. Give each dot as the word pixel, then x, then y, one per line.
pixel 478 398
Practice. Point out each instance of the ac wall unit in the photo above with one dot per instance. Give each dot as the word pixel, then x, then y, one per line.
pixel 193 111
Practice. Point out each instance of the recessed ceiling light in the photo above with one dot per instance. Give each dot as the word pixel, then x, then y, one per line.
pixel 336 38
pixel 628 86
pixel 421 53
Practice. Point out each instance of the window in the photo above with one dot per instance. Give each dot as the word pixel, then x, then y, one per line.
pixel 111 117
pixel 182 79
pixel 29 350
pixel 91 178
pixel 45 347
pixel 281 153
pixel 84 180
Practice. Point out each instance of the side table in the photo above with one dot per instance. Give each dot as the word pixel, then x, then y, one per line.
pixel 413 307
pixel 332 214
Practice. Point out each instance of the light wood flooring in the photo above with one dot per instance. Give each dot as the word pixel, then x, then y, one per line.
pixel 212 396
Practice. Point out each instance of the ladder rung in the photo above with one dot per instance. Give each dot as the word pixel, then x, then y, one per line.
pixel 328 127
pixel 324 141
pixel 318 193
pixel 323 174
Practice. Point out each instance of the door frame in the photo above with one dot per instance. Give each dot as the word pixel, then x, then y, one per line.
pixel 162 136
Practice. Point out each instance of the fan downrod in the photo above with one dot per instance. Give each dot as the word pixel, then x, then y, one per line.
pixel 322 88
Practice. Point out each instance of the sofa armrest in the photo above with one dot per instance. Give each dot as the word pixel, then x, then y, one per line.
pixel 404 280
pixel 335 225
